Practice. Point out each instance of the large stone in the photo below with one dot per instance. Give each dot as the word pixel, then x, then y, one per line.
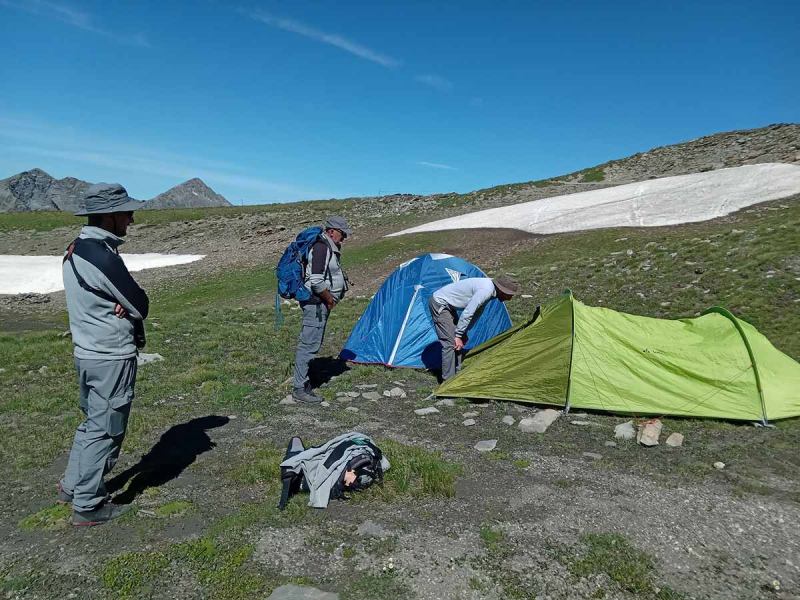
pixel 625 431
pixel 486 445
pixel 301 592
pixel 539 422
pixel 649 433
pixel 675 440
pixel 509 420
pixel 396 392
pixel 373 396
pixel 428 410
pixel 145 359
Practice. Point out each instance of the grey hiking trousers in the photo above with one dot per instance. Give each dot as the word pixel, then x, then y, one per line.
pixel 106 390
pixel 315 319
pixel 444 320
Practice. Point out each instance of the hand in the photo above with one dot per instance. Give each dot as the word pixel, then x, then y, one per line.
pixel 328 299
pixel 349 478
pixel 459 344
pixel 120 311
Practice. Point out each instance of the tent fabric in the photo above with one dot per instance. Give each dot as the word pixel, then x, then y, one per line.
pixel 396 330
pixel 578 356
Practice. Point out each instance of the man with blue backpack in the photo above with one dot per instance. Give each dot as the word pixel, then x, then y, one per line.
pixel 318 287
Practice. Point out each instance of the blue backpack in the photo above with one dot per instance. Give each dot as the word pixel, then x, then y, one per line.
pixel 291 269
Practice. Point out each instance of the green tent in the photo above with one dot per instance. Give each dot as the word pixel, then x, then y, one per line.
pixel 579 356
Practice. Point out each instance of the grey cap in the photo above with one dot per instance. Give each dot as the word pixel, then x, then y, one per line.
pixel 508 285
pixel 336 222
pixel 103 198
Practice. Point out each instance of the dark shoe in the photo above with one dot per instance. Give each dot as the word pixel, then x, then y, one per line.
pixel 63 497
pixel 306 396
pixel 104 514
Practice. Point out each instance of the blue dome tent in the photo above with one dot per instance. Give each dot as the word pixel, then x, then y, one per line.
pixel 396 330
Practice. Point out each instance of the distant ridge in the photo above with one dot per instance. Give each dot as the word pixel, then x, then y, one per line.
pixel 37 190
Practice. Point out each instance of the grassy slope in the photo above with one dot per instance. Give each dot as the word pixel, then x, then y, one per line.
pixel 224 357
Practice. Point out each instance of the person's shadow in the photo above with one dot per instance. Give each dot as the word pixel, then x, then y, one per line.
pixel 178 448
pixel 322 370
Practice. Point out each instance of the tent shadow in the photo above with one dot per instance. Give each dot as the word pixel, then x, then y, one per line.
pixel 322 370
pixel 178 448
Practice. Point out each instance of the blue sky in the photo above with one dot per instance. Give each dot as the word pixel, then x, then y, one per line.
pixel 269 101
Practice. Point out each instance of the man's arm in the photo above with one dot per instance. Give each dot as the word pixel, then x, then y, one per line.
pixel 108 273
pixel 480 298
pixel 319 258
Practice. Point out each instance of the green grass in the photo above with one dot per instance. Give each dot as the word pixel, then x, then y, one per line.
pixel 48 519
pixel 631 568
pixel 126 574
pixel 593 176
pixel 175 508
pixel 493 538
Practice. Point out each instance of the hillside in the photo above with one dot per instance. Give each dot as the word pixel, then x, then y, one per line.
pixel 36 190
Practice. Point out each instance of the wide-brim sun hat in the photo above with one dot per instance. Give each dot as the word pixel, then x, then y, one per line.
pixel 104 198
pixel 508 285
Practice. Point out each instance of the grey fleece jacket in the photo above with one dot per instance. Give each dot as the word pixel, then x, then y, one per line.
pixel 324 270
pixel 97 333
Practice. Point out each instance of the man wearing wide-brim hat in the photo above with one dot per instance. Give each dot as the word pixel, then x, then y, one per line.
pixel 106 313
pixel 469 296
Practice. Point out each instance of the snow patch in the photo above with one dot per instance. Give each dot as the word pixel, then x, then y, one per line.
pixel 651 203
pixel 42 274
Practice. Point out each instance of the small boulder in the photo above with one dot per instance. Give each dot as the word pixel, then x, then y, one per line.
pixel 446 402
pixel 288 400
pixel 353 394
pixel 373 396
pixel 675 440
pixel 301 592
pixel 509 420
pixel 469 415
pixel 397 392
pixel 144 359
pixel 539 422
pixel 649 433
pixel 469 422
pixel 428 410
pixel 486 445
pixel 719 465
pixel 581 423
pixel 325 403
pixel 611 444
pixel 625 431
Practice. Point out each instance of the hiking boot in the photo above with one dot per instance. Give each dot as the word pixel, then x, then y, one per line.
pixel 307 396
pixel 107 512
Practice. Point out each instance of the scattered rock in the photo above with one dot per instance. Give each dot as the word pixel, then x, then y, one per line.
pixel 373 396
pixel 428 410
pixel 342 395
pixel 648 434
pixel 351 409
pixel 509 420
pixel 288 400
pixel 353 394
pixel 301 592
pixel 486 445
pixel 469 422
pixel 370 528
pixel 144 358
pixel 719 465
pixel 593 455
pixel 325 403
pixel 580 422
pixel 395 392
pixel 469 415
pixel 540 422
pixel 446 402
pixel 675 440
pixel 611 444
pixel 625 431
